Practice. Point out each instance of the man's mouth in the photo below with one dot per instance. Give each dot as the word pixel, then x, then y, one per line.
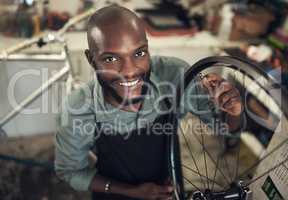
pixel 130 83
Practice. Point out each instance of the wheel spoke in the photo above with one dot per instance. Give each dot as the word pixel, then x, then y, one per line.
pixel 226 164
pixel 211 157
pixel 220 156
pixel 262 159
pixel 285 166
pixel 210 180
pixel 190 182
pixel 215 172
pixel 191 154
pixel 242 88
pixel 237 162
pixel 202 135
pixel 266 172
pixel 205 160
pixel 204 148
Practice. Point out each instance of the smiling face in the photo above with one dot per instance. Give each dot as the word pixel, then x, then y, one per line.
pixel 119 53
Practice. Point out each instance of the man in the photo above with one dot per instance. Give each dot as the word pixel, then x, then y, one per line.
pixel 131 164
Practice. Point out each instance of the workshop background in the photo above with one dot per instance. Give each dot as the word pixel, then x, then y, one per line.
pixel 189 29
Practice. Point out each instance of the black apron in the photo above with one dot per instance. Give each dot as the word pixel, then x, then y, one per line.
pixel 140 158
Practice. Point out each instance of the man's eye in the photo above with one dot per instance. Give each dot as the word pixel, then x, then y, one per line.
pixel 110 59
pixel 140 54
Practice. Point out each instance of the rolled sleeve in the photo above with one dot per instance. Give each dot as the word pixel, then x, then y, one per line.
pixel 72 163
pixel 73 141
pixel 81 180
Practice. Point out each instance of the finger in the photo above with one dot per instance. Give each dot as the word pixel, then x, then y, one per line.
pixel 211 85
pixel 234 108
pixel 224 92
pixel 213 77
pixel 206 84
pixel 168 198
pixel 231 101
pixel 228 100
pixel 226 97
pixel 163 196
pixel 211 80
pixel 224 86
pixel 168 182
pixel 160 196
pixel 165 189
pixel 233 105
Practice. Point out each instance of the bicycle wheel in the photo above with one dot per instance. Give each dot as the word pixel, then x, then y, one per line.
pixel 208 162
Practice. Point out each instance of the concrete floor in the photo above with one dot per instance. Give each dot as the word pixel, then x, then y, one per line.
pixel 23 182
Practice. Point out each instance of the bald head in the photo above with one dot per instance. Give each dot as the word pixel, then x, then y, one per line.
pixel 118 49
pixel 112 20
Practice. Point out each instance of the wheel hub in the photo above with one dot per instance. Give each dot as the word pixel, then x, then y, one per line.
pixel 236 192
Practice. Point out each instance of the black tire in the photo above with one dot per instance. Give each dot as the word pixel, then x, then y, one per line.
pixel 249 69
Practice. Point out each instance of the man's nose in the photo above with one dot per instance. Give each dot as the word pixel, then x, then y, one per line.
pixel 128 69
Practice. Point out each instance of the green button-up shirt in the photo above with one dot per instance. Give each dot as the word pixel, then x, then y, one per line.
pixel 84 107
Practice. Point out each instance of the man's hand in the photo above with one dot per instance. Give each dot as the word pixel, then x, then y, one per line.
pixel 151 191
pixel 224 94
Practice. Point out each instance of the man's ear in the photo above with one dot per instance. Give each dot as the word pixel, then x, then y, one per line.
pixel 88 56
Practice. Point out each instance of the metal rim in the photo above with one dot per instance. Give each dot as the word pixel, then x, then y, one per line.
pixel 249 69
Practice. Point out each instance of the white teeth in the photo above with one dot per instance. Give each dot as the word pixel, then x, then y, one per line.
pixel 129 83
